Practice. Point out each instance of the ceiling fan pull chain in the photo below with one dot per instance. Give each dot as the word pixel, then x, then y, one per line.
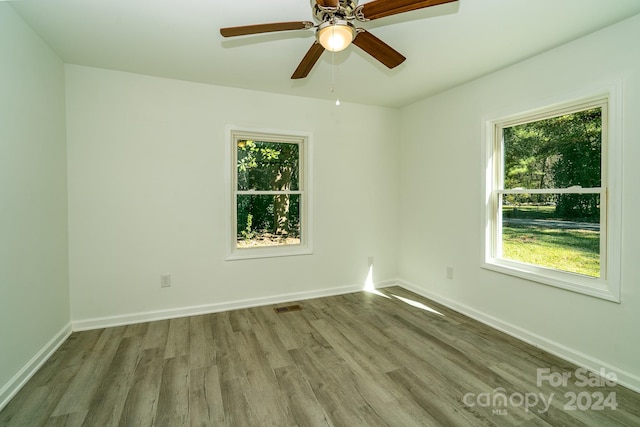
pixel 333 77
pixel 333 72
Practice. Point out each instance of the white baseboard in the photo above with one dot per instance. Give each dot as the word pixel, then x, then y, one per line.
pixel 624 378
pixel 128 319
pixel 20 379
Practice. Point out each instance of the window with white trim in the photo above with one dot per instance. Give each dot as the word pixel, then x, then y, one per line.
pixel 270 200
pixel 548 201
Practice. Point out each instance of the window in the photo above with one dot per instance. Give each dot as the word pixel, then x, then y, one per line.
pixel 548 200
pixel 270 194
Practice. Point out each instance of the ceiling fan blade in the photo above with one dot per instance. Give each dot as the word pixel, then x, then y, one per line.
pixel 382 8
pixel 378 49
pixel 308 61
pixel 265 28
pixel 328 3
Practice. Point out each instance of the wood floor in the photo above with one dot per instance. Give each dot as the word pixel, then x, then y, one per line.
pixel 357 359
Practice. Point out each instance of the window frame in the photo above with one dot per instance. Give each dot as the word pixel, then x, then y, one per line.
pixel 304 141
pixel 607 286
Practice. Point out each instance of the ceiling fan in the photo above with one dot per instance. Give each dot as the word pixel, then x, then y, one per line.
pixel 335 29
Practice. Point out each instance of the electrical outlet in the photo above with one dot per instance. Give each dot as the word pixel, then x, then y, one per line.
pixel 449 273
pixel 165 281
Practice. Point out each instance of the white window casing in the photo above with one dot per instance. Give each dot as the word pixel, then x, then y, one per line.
pixel 304 142
pixel 607 286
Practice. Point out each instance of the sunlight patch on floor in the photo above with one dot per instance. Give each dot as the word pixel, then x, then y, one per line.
pixel 370 287
pixel 417 304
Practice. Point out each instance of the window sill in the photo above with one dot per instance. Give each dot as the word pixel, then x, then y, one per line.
pixel 268 252
pixel 591 286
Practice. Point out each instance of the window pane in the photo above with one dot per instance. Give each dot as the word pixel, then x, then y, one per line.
pixel 558 152
pixel 268 220
pixel 265 166
pixel 559 231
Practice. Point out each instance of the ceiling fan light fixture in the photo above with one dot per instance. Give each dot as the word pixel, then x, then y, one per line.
pixel 335 35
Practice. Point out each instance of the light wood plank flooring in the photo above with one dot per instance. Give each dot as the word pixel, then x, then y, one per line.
pixel 357 359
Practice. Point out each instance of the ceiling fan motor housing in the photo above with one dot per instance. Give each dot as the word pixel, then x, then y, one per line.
pixel 344 11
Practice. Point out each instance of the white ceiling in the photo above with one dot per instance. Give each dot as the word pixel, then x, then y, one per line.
pixel 445 45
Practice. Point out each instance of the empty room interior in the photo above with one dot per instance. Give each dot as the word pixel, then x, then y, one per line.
pixel 207 219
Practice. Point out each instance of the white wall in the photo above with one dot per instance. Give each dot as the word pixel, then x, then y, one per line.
pixel 441 203
pixel 34 294
pixel 146 165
